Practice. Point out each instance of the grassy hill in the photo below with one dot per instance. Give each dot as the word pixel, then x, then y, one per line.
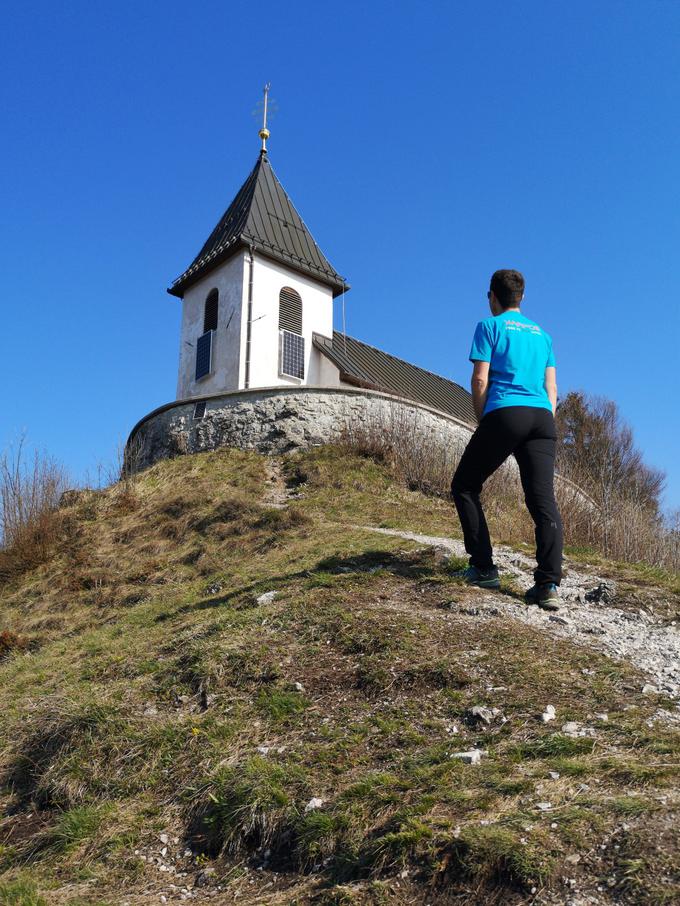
pixel 223 686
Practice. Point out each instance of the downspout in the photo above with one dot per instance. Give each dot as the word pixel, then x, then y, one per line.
pixel 249 320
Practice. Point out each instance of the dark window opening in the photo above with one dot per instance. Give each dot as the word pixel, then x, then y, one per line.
pixel 199 409
pixel 210 311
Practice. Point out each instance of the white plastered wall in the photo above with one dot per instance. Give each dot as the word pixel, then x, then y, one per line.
pixel 329 374
pixel 230 281
pixel 269 278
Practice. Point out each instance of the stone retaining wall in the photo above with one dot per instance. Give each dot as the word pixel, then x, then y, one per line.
pixel 276 420
pixel 279 419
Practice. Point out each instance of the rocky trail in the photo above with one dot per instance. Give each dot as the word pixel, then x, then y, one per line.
pixel 589 614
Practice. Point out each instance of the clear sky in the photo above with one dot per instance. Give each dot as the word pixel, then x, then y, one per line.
pixel 425 145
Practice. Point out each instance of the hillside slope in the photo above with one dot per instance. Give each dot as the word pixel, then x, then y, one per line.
pixel 248 680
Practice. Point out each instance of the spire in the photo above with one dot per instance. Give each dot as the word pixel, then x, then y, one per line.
pixel 264 132
pixel 262 217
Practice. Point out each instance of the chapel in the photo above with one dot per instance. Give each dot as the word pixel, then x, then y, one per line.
pixel 257 310
pixel 260 363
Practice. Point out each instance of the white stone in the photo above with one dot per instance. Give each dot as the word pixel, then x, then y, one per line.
pixel 267 597
pixel 548 714
pixel 313 804
pixel 474 756
pixel 571 728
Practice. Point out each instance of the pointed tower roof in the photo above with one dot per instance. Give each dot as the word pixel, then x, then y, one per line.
pixel 263 217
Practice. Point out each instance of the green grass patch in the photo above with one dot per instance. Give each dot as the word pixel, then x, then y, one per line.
pixel 20 892
pixel 280 704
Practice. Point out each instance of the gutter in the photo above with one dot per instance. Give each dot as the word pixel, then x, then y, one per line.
pixel 249 322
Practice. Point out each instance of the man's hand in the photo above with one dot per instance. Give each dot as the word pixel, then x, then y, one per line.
pixel 550 384
pixel 479 386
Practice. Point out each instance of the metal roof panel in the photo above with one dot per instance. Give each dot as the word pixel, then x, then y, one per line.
pixel 382 371
pixel 262 216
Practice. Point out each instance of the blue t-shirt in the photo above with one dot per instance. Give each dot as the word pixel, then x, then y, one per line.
pixel 518 352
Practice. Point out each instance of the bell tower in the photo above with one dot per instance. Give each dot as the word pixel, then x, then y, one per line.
pixel 254 295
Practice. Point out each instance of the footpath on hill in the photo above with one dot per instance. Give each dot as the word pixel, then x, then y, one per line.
pixel 587 616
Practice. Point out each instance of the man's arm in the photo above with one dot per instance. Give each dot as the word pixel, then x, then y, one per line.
pixel 480 386
pixel 550 383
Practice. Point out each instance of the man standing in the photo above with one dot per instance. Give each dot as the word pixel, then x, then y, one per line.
pixel 514 392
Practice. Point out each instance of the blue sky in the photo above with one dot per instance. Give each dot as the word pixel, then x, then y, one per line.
pixel 424 144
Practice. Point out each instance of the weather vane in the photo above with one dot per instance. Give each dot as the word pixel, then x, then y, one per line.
pixel 264 132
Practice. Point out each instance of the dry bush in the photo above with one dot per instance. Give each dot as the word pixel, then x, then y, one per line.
pixel 30 491
pixel 629 528
pixel 422 457
pixel 597 451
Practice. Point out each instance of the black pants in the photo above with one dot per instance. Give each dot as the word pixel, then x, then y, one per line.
pixel 529 433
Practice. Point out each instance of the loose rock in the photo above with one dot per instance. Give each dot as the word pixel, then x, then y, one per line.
pixel 474 756
pixel 204 877
pixel 603 593
pixel 548 714
pixel 480 715
pixel 267 597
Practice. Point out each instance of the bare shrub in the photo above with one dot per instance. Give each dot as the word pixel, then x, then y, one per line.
pixel 597 451
pixel 121 466
pixel 30 491
pixel 613 508
pixel 423 457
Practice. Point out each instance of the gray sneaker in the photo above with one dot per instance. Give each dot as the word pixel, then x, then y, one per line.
pixel 483 578
pixel 545 595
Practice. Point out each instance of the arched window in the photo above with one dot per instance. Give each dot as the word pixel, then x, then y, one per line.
pixel 290 310
pixel 210 311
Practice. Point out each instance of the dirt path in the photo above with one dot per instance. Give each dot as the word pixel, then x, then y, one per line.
pixel 277 494
pixel 589 614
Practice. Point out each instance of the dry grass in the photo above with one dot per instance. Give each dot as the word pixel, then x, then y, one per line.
pixel 30 491
pixel 626 529
pixel 158 695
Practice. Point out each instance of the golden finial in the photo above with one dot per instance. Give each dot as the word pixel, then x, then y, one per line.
pixel 264 132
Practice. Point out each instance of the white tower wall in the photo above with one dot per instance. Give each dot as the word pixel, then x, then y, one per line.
pixel 228 371
pixel 269 278
pixel 228 279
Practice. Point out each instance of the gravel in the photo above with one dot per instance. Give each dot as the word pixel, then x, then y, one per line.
pixel 588 615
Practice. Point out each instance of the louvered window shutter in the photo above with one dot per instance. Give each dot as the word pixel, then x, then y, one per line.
pixel 290 310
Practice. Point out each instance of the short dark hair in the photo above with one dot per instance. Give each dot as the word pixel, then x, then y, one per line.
pixel 508 288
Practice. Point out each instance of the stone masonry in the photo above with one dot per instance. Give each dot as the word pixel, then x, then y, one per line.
pixel 276 420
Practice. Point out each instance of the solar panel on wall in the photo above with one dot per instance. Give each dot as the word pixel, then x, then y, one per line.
pixel 292 354
pixel 204 355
